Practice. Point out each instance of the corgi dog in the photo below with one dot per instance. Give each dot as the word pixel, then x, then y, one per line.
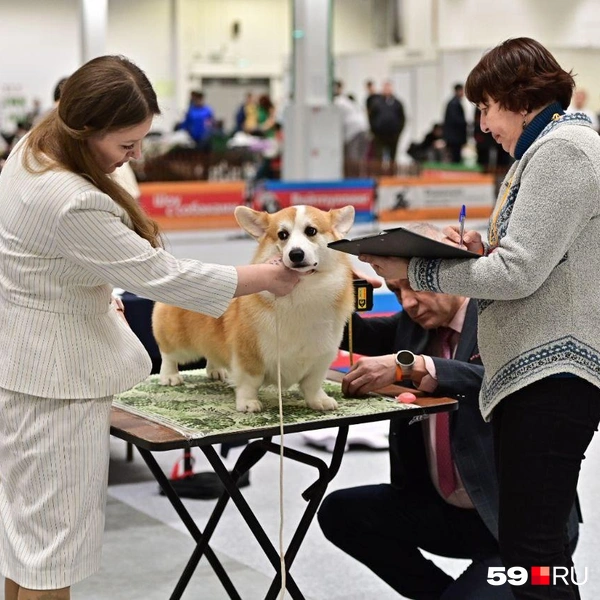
pixel 302 330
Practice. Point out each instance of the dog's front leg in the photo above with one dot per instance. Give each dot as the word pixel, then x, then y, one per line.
pixel 169 371
pixel 311 387
pixel 246 392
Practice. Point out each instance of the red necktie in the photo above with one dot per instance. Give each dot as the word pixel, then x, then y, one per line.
pixel 445 467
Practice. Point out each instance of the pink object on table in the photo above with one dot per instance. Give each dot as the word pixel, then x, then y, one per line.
pixel 406 397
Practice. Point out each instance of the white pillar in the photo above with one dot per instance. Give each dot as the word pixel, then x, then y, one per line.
pixel 94 17
pixel 176 74
pixel 311 125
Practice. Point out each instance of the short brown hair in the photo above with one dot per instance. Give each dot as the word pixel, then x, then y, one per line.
pixel 106 94
pixel 519 74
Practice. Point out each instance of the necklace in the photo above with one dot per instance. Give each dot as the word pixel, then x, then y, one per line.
pixel 493 237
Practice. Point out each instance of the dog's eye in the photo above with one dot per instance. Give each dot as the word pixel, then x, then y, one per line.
pixel 283 235
pixel 310 231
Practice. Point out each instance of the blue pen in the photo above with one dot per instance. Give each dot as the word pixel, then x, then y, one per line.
pixel 461 220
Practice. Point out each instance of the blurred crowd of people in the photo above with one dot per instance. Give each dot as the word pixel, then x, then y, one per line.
pixel 371 134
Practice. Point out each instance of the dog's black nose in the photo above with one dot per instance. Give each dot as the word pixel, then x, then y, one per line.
pixel 296 255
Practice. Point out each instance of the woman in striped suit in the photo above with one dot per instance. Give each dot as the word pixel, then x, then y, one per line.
pixel 68 235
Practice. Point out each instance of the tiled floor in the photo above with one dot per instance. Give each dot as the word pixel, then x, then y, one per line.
pixel 146 547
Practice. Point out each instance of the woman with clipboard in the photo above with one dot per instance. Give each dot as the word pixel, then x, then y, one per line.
pixel 539 309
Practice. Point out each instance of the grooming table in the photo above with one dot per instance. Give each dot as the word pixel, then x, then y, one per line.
pixel 202 413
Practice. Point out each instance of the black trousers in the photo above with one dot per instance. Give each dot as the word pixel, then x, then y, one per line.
pixel 541 433
pixel 384 528
pixel 455 151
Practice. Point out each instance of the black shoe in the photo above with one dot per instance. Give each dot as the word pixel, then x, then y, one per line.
pixel 203 486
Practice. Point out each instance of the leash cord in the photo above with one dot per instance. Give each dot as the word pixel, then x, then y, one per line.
pixel 281 548
pixel 350 344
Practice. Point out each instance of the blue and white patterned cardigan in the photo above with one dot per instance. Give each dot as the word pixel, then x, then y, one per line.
pixel 539 289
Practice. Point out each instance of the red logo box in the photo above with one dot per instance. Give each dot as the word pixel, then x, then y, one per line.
pixel 540 575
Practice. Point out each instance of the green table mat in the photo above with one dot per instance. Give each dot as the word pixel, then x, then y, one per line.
pixel 203 407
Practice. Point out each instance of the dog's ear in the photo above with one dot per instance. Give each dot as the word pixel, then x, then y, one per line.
pixel 342 219
pixel 252 221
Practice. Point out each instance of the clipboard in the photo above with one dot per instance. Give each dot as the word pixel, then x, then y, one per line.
pixel 402 243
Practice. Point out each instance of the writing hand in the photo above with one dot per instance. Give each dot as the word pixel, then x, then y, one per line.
pixel 472 240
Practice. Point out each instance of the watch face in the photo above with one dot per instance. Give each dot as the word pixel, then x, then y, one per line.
pixel 406 359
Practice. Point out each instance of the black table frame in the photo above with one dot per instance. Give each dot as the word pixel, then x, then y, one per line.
pixel 252 453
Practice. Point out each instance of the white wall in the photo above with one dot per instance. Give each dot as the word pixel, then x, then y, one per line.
pixel 352 31
pixel 476 24
pixel 140 30
pixel 40 42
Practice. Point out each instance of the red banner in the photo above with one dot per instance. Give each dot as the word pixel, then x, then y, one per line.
pixel 192 205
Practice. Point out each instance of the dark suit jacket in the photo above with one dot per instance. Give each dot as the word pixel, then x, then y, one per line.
pixel 460 378
pixel 455 123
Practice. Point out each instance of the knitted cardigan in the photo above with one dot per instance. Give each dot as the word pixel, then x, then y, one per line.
pixel 538 291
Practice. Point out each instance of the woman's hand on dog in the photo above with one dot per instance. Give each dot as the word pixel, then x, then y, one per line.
pixel 272 276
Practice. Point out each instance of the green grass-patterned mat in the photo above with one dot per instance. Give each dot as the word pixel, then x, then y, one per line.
pixel 202 407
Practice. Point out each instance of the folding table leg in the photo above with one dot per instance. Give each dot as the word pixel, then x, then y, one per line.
pixel 246 512
pixel 191 526
pixel 314 495
pixel 251 454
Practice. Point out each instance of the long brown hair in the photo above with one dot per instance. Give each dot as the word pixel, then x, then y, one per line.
pixel 106 94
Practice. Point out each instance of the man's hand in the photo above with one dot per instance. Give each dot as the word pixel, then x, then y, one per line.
pixel 368 374
pixel 371 373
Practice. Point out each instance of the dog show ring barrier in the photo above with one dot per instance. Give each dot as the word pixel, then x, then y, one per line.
pixel 201 413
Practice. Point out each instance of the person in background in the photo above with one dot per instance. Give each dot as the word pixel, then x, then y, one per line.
pixel 537 285
pixel 432 148
pixel 70 234
pixel 455 125
pixel 387 120
pixel 355 127
pixel 198 121
pixel 579 105
pixel 245 116
pixel 372 94
pixel 266 120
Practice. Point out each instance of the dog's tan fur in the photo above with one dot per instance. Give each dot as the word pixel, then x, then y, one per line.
pixel 304 328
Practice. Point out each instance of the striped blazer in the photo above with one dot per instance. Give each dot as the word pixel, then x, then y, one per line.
pixel 64 245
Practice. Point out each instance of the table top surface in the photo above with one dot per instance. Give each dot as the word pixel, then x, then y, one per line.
pixel 143 423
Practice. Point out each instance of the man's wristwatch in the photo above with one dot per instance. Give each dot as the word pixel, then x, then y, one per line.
pixel 405 361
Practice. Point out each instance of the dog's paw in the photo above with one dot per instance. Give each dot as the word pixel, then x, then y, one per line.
pixel 217 374
pixel 171 379
pixel 247 405
pixel 322 402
